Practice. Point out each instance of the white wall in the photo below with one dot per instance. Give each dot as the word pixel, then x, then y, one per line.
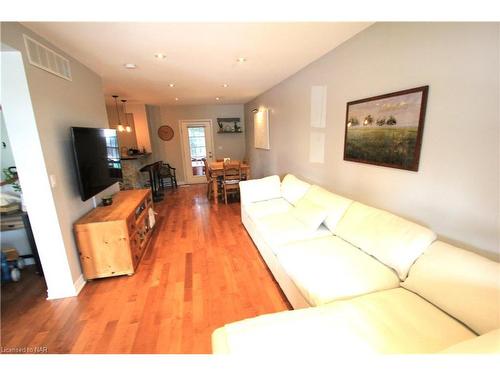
pixel 7 159
pixel 141 126
pixel 226 145
pixel 59 104
pixel 456 190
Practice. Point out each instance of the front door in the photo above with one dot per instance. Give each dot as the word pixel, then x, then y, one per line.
pixel 197 144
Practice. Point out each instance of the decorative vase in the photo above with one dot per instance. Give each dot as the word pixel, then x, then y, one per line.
pixel 107 201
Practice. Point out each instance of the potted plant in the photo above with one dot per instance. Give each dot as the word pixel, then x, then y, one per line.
pixel 107 200
pixel 12 179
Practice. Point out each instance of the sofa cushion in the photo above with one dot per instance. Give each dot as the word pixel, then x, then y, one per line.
pixel 464 284
pixel 487 343
pixel 327 269
pixel 309 213
pixel 219 341
pixel 335 205
pixel 391 321
pixel 257 210
pixel 292 189
pixel 279 229
pixel 391 239
pixel 260 189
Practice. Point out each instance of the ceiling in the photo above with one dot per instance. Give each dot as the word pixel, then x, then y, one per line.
pixel 200 57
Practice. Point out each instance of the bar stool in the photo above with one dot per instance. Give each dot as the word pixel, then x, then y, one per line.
pixel 154 179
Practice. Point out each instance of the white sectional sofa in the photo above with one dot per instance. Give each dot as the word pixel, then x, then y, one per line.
pixel 360 278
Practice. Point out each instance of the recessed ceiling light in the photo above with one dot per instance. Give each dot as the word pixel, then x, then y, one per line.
pixel 176 99
pixel 160 56
pixel 130 66
pixel 241 59
pixel 225 85
pixel 171 84
pixel 217 98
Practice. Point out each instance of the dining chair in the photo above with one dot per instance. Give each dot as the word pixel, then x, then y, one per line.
pixel 167 171
pixel 231 178
pixel 208 175
pixel 244 172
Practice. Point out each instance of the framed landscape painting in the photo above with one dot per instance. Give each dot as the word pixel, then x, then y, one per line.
pixel 386 129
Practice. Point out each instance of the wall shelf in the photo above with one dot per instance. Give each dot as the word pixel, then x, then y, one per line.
pixel 230 131
pixel 229 125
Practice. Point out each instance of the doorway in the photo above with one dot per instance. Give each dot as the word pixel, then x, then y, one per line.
pixel 22 278
pixel 17 108
pixel 197 144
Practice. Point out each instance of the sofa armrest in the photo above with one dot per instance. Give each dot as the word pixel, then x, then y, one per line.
pixel 219 341
pixel 261 189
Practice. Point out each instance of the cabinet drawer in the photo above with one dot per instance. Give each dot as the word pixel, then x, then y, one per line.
pixel 135 250
pixel 131 225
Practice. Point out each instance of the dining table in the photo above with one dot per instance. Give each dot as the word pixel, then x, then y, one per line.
pixel 217 169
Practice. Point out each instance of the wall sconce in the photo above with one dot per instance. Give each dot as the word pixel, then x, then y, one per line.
pixel 255 110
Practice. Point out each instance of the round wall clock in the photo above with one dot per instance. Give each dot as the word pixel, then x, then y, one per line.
pixel 165 132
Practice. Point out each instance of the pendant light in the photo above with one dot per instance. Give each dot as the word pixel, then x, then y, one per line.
pixel 128 128
pixel 119 127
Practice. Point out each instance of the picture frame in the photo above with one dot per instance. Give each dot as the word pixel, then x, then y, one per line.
pixel 261 129
pixel 387 129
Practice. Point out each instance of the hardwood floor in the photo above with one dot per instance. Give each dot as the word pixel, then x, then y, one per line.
pixel 200 272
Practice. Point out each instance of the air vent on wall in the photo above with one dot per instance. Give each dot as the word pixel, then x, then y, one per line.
pixel 46 59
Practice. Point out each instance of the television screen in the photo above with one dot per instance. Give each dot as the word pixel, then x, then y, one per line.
pixel 97 157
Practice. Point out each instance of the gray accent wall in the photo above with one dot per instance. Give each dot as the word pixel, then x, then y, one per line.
pixel 59 104
pixel 456 190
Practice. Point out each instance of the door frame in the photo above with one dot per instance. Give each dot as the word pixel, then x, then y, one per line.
pixel 183 125
pixel 17 108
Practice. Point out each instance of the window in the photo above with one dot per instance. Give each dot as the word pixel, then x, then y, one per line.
pixel 197 143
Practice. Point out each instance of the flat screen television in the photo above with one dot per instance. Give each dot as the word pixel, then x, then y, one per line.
pixel 97 157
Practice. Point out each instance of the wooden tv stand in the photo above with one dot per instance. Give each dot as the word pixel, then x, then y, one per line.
pixel 112 239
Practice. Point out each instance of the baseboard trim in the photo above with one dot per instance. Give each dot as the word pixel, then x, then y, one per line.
pixel 79 284
pixel 60 295
pixel 77 287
